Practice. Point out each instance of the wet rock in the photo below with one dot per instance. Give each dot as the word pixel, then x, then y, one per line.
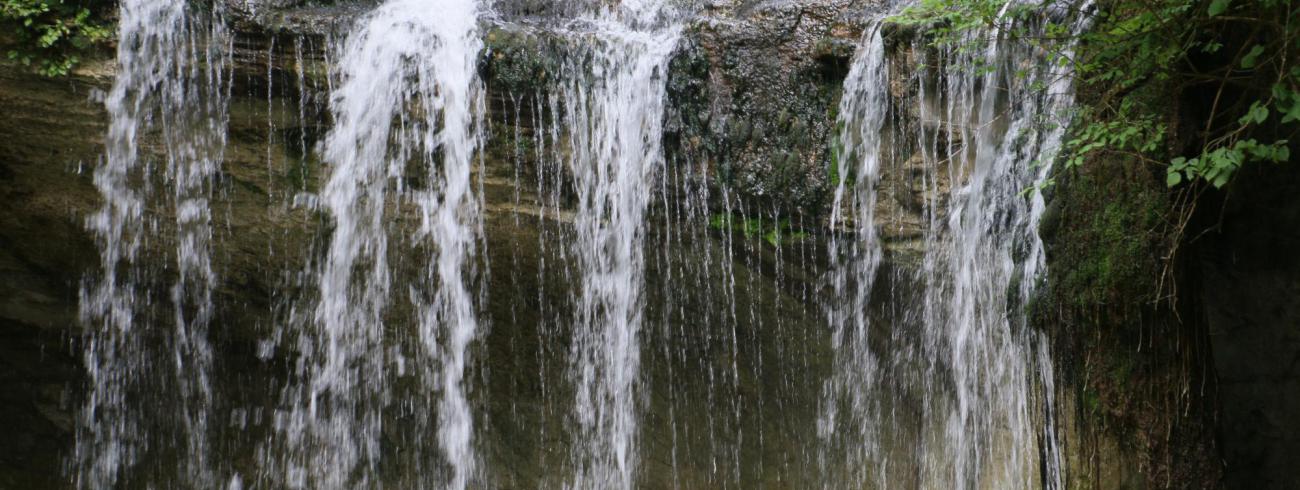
pixel 769 75
pixel 54 132
pixel 520 61
pixel 296 17
pixel 751 78
pixel 1249 292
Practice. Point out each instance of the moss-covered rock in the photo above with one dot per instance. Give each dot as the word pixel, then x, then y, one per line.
pixel 520 61
pixel 767 83
pixel 1134 362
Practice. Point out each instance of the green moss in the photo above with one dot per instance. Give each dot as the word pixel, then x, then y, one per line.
pixel 1110 227
pixel 775 233
pixel 1091 401
pixel 518 61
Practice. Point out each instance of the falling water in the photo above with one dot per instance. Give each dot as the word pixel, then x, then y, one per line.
pixel 450 221
pixel 952 389
pixel 850 398
pixel 614 107
pixel 170 83
pixel 1013 118
pixel 983 136
pixel 405 107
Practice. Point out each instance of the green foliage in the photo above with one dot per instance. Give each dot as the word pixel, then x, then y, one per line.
pixel 1240 56
pixel 1127 129
pixel 956 22
pixel 837 155
pixel 1217 166
pixel 775 233
pixel 51 35
pixel 1239 52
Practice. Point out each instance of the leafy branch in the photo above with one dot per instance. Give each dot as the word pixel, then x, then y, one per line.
pixel 1240 52
pixel 51 35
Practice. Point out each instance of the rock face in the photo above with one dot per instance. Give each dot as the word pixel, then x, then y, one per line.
pixel 754 94
pixel 53 132
pixel 753 89
pixel 1120 345
pixel 1250 292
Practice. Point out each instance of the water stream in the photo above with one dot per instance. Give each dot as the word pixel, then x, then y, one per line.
pixel 990 118
pixel 405 105
pixel 580 308
pixel 847 423
pixel 614 106
pixel 171 85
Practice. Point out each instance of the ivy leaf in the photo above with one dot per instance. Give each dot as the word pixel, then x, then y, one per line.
pixel 1257 114
pixel 1292 114
pixel 1220 180
pixel 1249 60
pixel 1218 7
pixel 1173 178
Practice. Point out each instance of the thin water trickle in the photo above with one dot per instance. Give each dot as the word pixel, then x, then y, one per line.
pixel 963 353
pixel 850 400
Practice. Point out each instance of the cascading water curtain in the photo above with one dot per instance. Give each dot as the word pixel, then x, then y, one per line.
pixel 407 104
pixel 847 423
pixel 614 103
pixel 960 393
pixel 146 400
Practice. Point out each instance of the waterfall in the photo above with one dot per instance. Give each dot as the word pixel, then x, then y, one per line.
pixel 170 85
pixel 989 122
pixel 698 354
pixel 850 392
pixel 405 111
pixel 614 106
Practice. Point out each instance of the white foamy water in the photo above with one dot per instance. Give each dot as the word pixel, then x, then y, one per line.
pixel 847 421
pixel 964 353
pixel 613 101
pixel 170 86
pixel 709 376
pixel 408 98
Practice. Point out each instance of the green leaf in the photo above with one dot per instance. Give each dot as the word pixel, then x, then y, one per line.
pixel 1258 113
pixel 1281 92
pixel 1221 180
pixel 1218 7
pixel 1292 114
pixel 1173 178
pixel 1252 57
